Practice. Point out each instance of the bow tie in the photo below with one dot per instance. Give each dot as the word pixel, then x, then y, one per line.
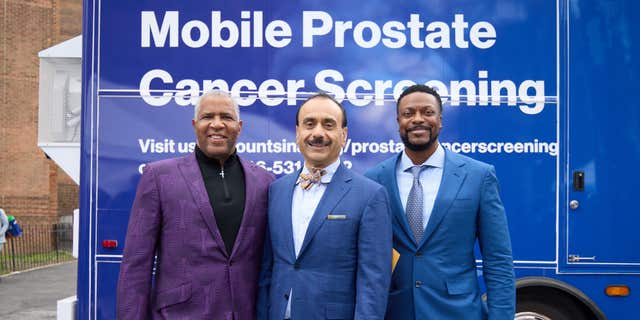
pixel 307 180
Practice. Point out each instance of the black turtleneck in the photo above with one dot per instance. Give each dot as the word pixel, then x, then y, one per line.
pixel 226 189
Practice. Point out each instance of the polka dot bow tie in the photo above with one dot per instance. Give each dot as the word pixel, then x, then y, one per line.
pixel 307 180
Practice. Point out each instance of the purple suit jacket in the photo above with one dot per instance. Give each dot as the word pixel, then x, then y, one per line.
pixel 195 277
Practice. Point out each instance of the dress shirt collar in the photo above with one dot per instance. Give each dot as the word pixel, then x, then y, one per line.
pixel 435 160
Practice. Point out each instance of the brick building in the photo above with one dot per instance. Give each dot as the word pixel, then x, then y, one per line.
pixel 32 187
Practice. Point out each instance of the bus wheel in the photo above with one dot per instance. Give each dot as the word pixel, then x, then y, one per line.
pixel 527 315
pixel 548 305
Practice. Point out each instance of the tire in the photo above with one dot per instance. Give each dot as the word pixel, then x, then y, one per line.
pixel 548 305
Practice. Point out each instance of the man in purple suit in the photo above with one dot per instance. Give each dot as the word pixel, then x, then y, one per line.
pixel 204 217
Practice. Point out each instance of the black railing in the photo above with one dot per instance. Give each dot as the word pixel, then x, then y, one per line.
pixel 39 245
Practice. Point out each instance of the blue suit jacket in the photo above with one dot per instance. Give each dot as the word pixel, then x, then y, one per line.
pixel 436 279
pixel 344 266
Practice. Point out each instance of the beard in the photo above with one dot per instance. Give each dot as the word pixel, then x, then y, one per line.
pixel 417 147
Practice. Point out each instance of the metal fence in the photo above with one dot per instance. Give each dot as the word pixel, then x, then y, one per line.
pixel 39 245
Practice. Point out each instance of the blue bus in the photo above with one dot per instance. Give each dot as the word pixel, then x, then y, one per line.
pixel 546 91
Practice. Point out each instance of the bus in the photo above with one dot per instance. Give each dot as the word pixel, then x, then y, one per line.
pixel 546 91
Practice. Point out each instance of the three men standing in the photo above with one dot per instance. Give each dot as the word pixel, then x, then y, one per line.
pixel 442 203
pixel 204 216
pixel 329 252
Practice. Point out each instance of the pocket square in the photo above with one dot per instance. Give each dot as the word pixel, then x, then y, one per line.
pixel 395 257
pixel 336 216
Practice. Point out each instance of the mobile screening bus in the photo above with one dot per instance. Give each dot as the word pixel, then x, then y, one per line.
pixel 547 91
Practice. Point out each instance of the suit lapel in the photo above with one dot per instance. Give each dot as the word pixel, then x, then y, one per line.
pixel 336 189
pixel 193 178
pixel 250 184
pixel 283 198
pixel 388 178
pixel 453 176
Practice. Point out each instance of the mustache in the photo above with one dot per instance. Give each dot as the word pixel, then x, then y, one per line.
pixel 318 141
pixel 418 127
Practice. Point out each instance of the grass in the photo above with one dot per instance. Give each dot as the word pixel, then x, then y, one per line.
pixel 28 261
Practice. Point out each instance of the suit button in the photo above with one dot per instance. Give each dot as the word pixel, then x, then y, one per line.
pixel 418 284
pixel 296 266
pixel 230 263
pixel 286 296
pixel 419 254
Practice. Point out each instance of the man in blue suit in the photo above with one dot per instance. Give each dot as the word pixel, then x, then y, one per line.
pixel 442 202
pixel 329 251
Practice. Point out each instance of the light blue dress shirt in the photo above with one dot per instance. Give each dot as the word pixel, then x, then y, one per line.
pixel 303 206
pixel 430 179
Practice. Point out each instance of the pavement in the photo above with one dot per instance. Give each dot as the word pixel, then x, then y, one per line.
pixel 33 294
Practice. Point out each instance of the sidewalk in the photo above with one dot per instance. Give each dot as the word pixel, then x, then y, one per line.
pixel 33 294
